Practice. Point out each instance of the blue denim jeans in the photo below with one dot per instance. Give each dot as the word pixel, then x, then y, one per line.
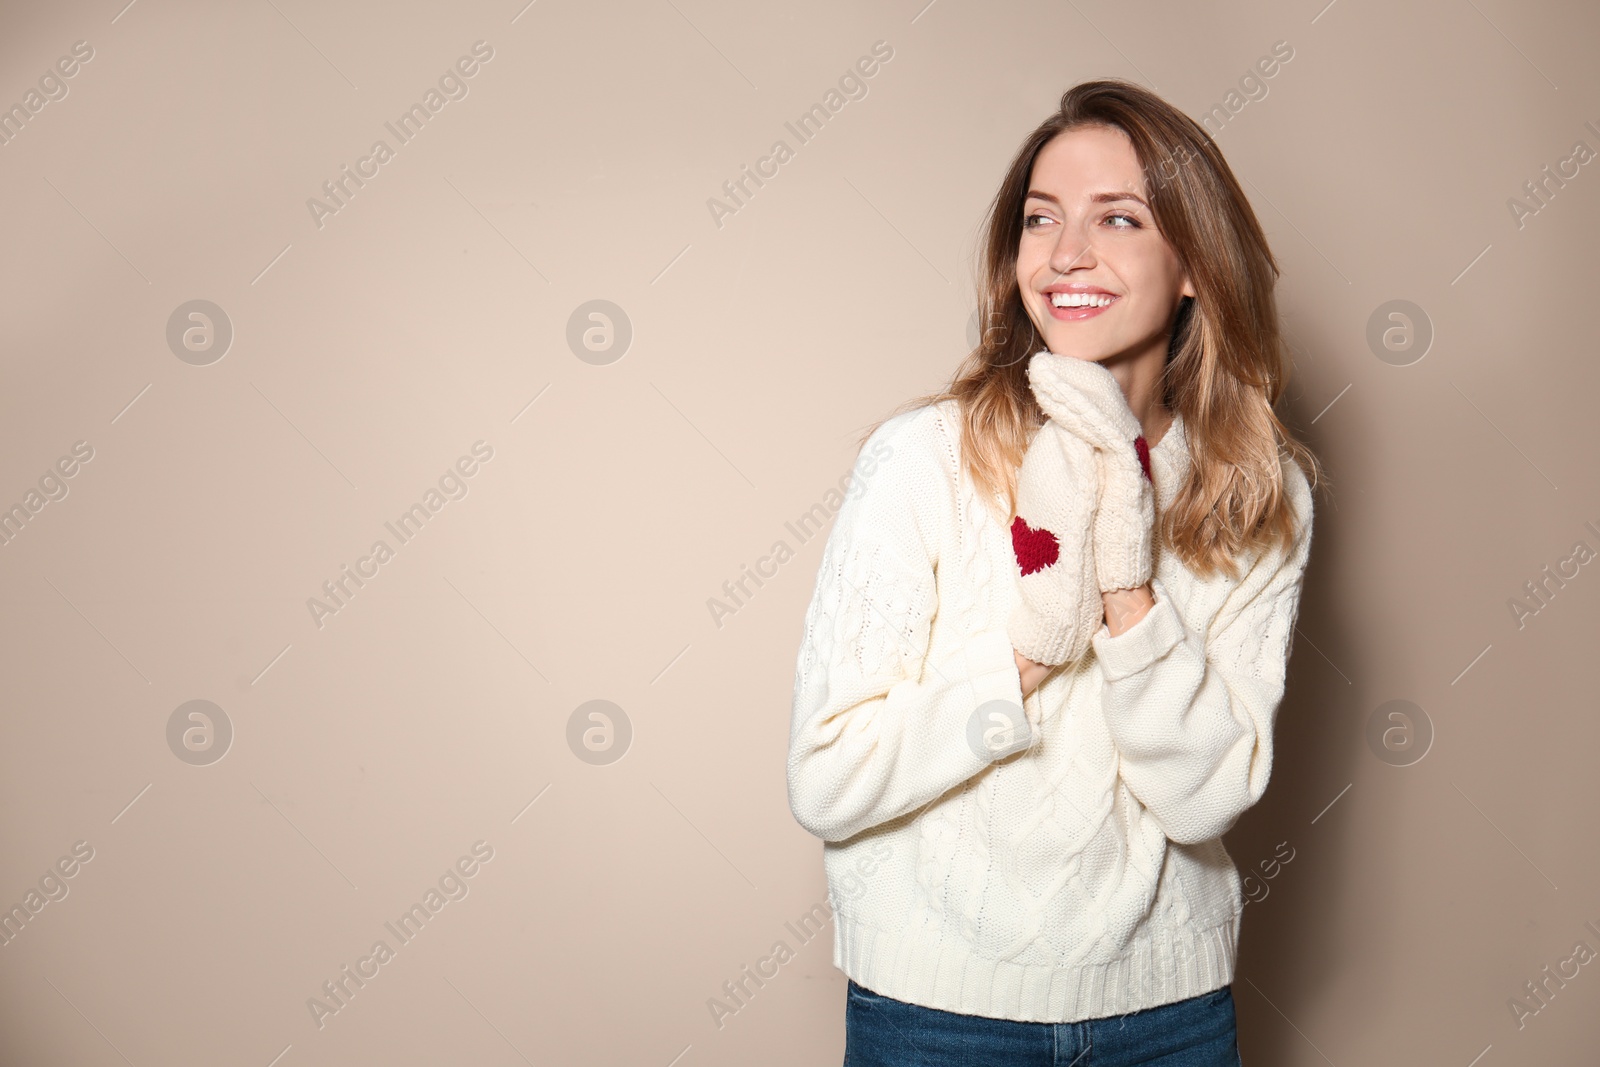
pixel 883 1032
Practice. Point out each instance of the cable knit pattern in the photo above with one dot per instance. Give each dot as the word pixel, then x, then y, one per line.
pixel 1058 594
pixel 1084 397
pixel 1082 875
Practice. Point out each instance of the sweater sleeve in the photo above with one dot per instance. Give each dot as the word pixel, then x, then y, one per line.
pixel 879 729
pixel 1192 718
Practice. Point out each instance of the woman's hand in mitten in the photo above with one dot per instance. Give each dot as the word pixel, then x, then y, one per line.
pixel 1058 607
pixel 1088 402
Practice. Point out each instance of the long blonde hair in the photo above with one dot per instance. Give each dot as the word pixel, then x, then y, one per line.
pixel 1226 366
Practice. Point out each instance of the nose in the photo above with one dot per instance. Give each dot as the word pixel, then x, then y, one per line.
pixel 1073 248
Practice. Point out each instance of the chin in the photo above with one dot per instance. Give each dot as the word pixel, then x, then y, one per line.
pixel 1078 352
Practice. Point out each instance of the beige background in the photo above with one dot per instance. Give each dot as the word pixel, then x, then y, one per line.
pixel 433 710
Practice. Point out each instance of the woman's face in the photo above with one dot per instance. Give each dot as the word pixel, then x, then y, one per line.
pixel 1088 234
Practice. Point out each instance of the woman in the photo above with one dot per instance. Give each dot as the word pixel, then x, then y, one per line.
pixel 1047 642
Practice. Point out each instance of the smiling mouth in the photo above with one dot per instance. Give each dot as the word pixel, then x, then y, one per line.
pixel 1075 306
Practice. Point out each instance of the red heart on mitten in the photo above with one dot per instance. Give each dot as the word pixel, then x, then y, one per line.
pixel 1036 549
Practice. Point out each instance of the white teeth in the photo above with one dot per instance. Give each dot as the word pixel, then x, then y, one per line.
pixel 1080 300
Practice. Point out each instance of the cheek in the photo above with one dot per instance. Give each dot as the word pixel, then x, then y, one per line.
pixel 1170 269
pixel 1026 265
pixel 1159 275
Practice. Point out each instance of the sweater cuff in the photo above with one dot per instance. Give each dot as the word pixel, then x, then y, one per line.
pixel 992 673
pixel 1140 645
pixel 992 666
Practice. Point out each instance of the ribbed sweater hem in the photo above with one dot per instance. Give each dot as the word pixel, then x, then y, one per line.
pixel 1179 963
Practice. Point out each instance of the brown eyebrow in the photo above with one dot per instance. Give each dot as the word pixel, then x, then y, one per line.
pixel 1098 198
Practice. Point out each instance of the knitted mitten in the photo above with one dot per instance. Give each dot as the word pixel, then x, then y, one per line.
pixel 1058 607
pixel 1086 400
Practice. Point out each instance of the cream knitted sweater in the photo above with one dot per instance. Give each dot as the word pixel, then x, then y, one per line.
pixel 1085 875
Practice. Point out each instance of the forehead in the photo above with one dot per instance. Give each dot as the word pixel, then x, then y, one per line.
pixel 1087 160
